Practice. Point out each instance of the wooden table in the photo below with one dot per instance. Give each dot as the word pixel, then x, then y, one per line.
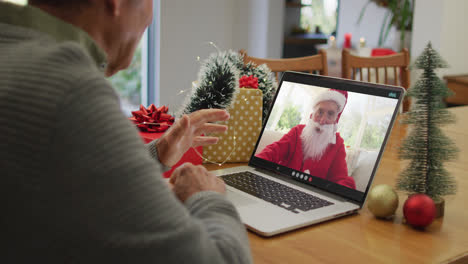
pixel 362 238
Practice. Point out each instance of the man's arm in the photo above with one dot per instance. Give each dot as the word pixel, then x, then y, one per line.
pixel 338 171
pixel 113 205
pixel 153 151
pixel 281 149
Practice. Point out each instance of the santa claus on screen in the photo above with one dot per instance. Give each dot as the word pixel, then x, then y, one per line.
pixel 316 148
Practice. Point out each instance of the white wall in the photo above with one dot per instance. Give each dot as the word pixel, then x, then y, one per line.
pixel 258 21
pixel 258 27
pixel 427 25
pixel 454 37
pixel 188 26
pixel 275 29
pixel 186 29
pixel 442 23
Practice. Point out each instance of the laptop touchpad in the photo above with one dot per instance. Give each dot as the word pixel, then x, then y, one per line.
pixel 239 199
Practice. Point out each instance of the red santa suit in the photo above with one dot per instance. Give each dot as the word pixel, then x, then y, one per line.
pixel 288 152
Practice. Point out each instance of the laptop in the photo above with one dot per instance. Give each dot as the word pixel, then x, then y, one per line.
pixel 289 184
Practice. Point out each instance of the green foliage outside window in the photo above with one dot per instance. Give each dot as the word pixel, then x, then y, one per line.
pixel 128 82
pixel 289 118
pixel 322 14
pixel 348 128
pixel 374 133
pixel 19 2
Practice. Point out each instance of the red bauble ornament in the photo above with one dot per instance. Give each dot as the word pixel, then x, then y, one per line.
pixel 419 210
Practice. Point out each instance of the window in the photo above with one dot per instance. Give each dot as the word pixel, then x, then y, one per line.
pixel 319 16
pixel 19 2
pixel 139 84
pixel 366 120
pixel 128 82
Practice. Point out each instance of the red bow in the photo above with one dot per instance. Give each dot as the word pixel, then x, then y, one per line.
pixel 248 82
pixel 152 119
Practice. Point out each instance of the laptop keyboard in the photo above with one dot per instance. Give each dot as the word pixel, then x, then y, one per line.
pixel 274 192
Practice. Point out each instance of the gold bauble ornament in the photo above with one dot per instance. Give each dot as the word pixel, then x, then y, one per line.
pixel 382 201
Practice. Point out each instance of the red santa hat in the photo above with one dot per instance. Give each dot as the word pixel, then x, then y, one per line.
pixel 338 96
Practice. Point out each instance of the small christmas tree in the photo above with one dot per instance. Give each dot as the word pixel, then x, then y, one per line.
pixel 426 146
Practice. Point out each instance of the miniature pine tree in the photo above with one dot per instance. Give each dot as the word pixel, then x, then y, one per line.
pixel 426 146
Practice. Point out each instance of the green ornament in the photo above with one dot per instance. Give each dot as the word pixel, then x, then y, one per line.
pixel 382 201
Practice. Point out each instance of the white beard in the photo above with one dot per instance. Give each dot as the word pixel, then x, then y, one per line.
pixel 314 142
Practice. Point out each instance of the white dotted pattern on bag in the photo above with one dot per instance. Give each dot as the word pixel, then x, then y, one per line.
pixel 245 123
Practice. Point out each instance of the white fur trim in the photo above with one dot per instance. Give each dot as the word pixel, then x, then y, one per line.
pixel 330 95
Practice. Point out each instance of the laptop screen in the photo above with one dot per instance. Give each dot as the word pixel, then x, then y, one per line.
pixel 328 132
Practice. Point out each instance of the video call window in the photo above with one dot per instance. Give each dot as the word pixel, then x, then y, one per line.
pixel 362 127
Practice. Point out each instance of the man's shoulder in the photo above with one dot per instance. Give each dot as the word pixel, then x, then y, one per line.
pixel 39 54
pixel 46 67
pixel 68 58
pixel 298 128
pixel 295 131
pixel 339 139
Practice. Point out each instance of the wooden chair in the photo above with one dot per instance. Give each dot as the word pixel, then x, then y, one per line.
pixel 311 64
pixel 391 69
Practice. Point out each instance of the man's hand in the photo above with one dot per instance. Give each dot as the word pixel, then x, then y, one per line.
pixel 189 179
pixel 186 133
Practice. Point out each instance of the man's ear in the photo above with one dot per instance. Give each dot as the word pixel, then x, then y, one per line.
pixel 114 7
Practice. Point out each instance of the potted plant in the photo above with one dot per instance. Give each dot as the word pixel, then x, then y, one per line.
pixel 399 14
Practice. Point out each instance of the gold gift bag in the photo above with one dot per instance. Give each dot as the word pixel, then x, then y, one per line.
pixel 238 142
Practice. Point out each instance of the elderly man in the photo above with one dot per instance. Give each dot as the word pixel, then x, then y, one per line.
pixel 78 184
pixel 316 148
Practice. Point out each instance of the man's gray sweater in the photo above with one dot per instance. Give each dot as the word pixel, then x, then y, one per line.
pixel 77 183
